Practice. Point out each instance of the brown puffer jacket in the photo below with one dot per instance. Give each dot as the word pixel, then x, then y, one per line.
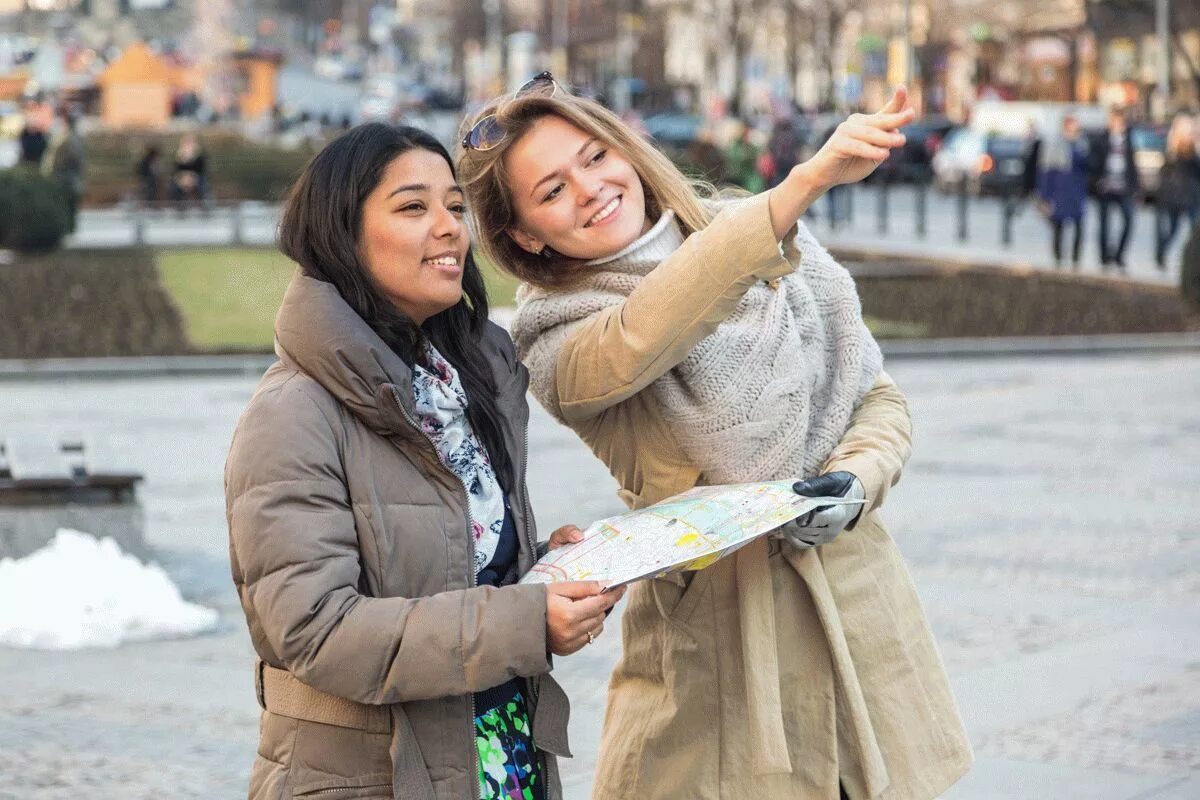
pixel 351 554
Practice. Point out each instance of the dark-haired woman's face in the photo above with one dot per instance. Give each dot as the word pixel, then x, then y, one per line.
pixel 414 240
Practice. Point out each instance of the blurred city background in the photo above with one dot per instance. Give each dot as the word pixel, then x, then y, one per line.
pixel 1048 513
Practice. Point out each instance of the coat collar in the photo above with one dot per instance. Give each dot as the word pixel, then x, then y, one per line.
pixel 317 332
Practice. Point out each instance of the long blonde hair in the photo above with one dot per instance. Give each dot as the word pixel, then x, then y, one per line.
pixel 489 196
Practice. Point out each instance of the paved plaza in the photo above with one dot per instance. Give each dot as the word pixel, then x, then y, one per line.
pixel 1048 514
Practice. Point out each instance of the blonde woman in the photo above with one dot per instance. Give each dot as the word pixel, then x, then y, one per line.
pixel 689 340
pixel 1179 186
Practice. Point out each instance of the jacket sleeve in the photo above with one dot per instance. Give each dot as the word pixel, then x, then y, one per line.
pixel 616 353
pixel 297 568
pixel 877 443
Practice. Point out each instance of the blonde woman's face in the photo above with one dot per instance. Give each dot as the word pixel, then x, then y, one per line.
pixel 572 192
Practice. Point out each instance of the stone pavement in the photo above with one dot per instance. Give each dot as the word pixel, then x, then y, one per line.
pixel 1047 513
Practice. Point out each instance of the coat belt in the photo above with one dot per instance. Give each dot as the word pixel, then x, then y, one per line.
pixel 760 659
pixel 282 693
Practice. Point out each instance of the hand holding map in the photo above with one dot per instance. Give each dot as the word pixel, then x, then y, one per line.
pixel 687 532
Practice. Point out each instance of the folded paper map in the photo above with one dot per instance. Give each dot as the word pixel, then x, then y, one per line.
pixel 686 532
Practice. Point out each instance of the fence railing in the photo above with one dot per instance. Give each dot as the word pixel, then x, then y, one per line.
pixel 233 216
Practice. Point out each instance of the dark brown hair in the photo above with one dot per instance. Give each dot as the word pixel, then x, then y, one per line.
pixel 320 230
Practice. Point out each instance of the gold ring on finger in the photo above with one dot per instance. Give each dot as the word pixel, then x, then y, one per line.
pixel 591 637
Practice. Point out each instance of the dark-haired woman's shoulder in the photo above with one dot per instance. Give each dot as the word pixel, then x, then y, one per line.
pixel 289 413
pixel 284 388
pixel 498 343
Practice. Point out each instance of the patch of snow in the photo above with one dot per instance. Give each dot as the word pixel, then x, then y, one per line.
pixel 79 591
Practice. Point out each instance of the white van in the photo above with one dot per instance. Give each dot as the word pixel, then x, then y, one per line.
pixel 1021 118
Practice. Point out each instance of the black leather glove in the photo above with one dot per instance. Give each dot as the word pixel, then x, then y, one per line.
pixel 824 523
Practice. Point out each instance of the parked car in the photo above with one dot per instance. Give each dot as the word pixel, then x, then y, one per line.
pixel 1149 151
pixel 672 130
pixel 988 163
pixel 337 68
pixel 912 163
pixel 814 131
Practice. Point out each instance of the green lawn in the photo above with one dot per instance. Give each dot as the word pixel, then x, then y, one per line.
pixel 891 329
pixel 229 296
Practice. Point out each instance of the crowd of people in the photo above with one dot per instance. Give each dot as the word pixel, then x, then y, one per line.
pixel 1064 174
pixel 1069 170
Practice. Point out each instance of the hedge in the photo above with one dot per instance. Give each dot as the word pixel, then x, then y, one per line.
pixel 979 301
pixel 75 303
pixel 33 210
pixel 1189 277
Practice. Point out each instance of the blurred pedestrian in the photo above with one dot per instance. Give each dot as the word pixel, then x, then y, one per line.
pixel 1179 187
pixel 33 143
pixel 706 158
pixel 149 175
pixel 1116 184
pixel 1062 177
pixel 65 164
pixel 190 178
pixel 741 162
pixel 784 147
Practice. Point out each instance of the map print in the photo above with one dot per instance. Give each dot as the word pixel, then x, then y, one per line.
pixel 686 532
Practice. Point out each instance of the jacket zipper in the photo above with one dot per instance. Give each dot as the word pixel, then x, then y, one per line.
pixel 531 538
pixel 470 576
pixel 532 541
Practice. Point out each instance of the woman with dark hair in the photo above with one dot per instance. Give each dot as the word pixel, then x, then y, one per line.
pixel 377 507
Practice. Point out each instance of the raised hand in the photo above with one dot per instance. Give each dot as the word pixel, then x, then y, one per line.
pixel 858 145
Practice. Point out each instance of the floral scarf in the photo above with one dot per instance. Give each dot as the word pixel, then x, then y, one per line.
pixel 441 410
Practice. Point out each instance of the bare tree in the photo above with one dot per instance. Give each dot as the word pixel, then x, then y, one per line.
pixel 1144 12
pixel 799 24
pixel 830 20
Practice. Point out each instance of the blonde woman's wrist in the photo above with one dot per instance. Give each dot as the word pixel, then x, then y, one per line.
pixel 791 198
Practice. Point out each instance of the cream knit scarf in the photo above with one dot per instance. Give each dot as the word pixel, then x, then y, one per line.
pixel 768 395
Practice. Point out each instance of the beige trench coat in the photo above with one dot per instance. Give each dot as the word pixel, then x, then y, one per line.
pixel 776 673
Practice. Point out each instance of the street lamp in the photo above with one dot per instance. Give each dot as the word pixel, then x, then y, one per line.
pixel 1162 15
pixel 908 51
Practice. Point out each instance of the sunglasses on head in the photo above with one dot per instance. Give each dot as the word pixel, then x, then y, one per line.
pixel 488 132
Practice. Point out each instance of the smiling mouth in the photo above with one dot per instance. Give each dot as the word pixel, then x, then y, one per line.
pixel 605 213
pixel 443 261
